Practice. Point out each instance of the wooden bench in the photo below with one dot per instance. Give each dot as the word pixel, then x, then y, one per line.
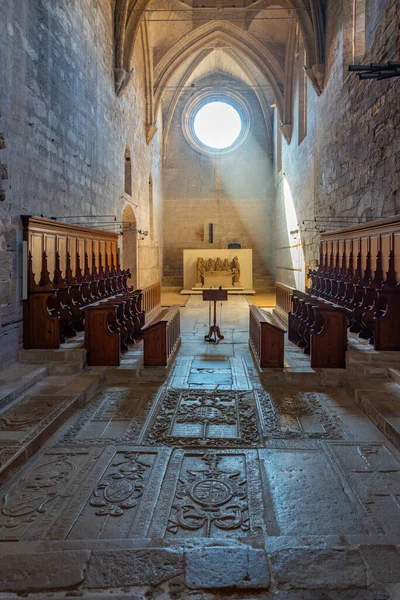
pixel 151 300
pixel 102 335
pixel 266 339
pixel 162 337
pixel 320 328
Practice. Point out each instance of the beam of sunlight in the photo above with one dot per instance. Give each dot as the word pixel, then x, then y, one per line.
pixel 295 243
pixel 217 125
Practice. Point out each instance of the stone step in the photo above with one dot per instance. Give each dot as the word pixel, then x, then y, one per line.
pixel 394 374
pixel 367 353
pixel 17 379
pixel 127 374
pixel 132 368
pixel 285 569
pixel 56 355
pixel 368 369
pixel 34 417
pixel 66 368
pixel 300 378
pixel 380 400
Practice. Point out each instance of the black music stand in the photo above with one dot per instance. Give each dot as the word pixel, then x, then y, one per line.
pixel 214 296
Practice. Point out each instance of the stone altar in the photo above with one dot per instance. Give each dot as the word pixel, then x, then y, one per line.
pixel 218 272
pixel 216 279
pixel 192 268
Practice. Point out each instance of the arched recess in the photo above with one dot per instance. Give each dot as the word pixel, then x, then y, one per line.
pixel 129 244
pixel 217 33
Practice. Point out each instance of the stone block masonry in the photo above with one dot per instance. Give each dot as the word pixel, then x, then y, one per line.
pixel 349 163
pixel 63 134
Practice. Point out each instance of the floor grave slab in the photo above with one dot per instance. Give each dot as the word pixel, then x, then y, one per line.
pixel 222 377
pixel 210 372
pixel 204 418
pixel 26 425
pixel 83 495
pixel 115 416
pixel 210 363
pixel 373 472
pixel 291 414
pixel 18 421
pixel 210 495
pixel 304 495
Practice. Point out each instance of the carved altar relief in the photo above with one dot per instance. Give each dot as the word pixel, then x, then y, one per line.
pixel 218 272
pixel 236 270
pixel 230 268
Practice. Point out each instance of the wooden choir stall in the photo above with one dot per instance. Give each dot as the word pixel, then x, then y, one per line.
pixel 355 287
pixel 74 283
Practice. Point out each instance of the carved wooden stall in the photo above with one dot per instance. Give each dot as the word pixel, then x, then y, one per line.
pixel 74 282
pixel 320 328
pixel 162 337
pixel 266 339
pixel 359 270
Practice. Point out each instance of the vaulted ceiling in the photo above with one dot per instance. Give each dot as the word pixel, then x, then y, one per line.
pixel 247 43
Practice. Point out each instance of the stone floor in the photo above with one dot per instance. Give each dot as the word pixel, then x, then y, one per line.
pixel 221 482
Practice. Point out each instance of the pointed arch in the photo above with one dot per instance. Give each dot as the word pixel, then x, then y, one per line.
pixel 260 96
pixel 178 92
pixel 182 82
pixel 217 33
pixel 128 15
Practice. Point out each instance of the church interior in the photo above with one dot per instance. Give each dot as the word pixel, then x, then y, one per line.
pixel 200 299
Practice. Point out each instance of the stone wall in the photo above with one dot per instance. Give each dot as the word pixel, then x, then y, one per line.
pixel 349 163
pixel 235 192
pixel 63 134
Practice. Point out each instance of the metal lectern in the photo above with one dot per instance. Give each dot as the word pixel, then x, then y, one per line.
pixel 214 296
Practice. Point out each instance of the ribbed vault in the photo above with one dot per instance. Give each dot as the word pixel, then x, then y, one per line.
pixel 177 37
